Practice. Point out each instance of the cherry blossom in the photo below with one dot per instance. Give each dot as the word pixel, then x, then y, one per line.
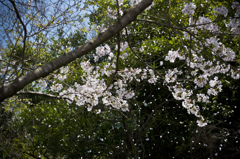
pixel 221 10
pixel 172 55
pixel 42 83
pixel 213 83
pixel 171 75
pixel 201 123
pixel 201 80
pixel 205 23
pixel 113 13
pixel 64 70
pixel 235 5
pixel 202 98
pixel 56 87
pixel 189 8
pixel 234 25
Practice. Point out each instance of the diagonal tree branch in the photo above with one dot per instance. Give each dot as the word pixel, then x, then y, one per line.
pixel 45 70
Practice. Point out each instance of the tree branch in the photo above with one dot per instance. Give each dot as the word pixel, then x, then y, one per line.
pixel 45 70
pixel 161 24
pixel 25 32
pixel 42 94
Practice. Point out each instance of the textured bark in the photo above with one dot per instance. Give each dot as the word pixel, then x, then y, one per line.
pixel 45 70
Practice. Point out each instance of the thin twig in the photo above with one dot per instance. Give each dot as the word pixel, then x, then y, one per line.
pixel 25 32
pixel 42 94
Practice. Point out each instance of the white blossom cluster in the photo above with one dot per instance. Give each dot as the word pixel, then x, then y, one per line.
pixel 202 98
pixel 172 55
pixel 186 35
pixel 101 28
pixel 227 54
pixel 113 13
pixel 94 89
pixel 235 5
pixel 171 75
pixel 221 10
pixel 204 73
pixel 189 8
pixel 123 46
pixel 102 51
pixel 188 102
pixel 56 87
pixel 234 24
pixel 184 94
pixel 206 24
pixel 42 84
pixel 202 80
